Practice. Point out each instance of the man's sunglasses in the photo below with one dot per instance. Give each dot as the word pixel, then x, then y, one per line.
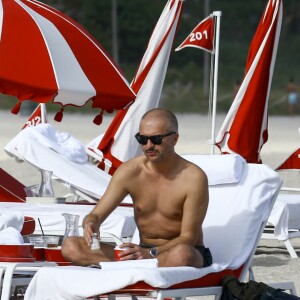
pixel 155 139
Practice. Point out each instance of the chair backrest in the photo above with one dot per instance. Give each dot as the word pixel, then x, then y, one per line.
pixel 237 214
pixel 34 144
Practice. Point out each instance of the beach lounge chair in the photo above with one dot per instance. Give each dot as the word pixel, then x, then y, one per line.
pixel 284 222
pixel 235 220
pixel 18 272
pixel 120 223
pixel 45 148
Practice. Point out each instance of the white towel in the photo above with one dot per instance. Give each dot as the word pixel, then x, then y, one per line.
pixel 11 236
pixel 220 169
pixel 234 215
pixel 11 219
pixel 140 263
pixel 46 135
pixel 61 283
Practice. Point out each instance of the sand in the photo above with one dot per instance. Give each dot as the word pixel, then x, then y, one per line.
pixel 272 262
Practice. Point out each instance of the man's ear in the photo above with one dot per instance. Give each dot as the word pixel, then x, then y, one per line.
pixel 176 136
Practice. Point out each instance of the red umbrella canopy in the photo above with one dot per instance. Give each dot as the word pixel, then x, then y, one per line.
pixel 46 56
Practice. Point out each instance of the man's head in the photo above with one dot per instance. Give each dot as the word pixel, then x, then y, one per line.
pixel 158 133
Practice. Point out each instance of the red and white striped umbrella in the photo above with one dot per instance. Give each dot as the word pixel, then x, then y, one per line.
pixel 118 144
pixel 244 131
pixel 46 56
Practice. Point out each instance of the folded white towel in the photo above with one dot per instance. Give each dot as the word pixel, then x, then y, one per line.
pixel 140 263
pixel 11 219
pixel 46 135
pixel 220 169
pixel 11 236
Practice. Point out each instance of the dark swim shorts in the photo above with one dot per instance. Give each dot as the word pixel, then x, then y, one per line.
pixel 205 252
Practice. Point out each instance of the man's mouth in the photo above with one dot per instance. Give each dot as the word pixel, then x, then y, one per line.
pixel 150 152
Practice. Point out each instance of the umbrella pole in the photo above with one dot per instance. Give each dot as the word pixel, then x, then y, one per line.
pixel 217 14
pixel 43 113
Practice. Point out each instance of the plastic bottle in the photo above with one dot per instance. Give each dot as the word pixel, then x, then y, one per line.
pixel 95 245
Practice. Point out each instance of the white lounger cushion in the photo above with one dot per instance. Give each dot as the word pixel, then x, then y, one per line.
pixel 13 219
pixel 120 223
pixel 34 145
pixel 231 229
pixel 220 169
pixel 61 142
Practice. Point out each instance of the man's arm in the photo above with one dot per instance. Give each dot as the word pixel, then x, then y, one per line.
pixel 113 196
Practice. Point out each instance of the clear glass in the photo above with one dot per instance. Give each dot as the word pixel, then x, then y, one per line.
pixel 95 245
pixel 51 241
pixel 37 240
pixel 46 189
pixel 71 225
pixel 32 190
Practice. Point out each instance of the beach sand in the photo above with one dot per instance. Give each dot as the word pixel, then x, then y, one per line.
pixel 272 262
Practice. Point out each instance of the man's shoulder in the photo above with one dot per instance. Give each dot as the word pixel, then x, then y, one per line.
pixel 132 164
pixel 194 171
pixel 135 160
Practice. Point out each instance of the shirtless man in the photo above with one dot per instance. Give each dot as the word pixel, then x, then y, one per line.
pixel 170 198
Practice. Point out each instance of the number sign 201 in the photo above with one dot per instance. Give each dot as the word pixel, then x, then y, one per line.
pixel 198 36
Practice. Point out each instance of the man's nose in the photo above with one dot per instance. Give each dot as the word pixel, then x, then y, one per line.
pixel 149 143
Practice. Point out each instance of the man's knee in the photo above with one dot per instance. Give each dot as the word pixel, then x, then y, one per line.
pixel 184 255
pixel 70 248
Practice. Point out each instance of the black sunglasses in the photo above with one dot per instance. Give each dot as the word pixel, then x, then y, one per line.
pixel 155 139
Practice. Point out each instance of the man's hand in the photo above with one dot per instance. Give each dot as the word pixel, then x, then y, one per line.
pixel 90 225
pixel 133 252
pixel 88 230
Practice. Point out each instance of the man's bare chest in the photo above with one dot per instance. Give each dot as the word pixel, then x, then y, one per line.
pixel 165 197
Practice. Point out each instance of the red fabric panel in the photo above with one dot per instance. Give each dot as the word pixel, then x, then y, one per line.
pixel 292 162
pixel 11 190
pixel 213 279
pixel 201 37
pixel 28 226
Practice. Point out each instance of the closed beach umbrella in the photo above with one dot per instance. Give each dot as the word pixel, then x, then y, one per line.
pixel 118 143
pixel 245 129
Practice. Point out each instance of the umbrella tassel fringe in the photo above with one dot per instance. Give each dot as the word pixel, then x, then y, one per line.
pixel 59 115
pixel 99 118
pixel 16 109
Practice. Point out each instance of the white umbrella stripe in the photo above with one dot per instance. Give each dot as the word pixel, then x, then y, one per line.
pixel 83 33
pixel 67 71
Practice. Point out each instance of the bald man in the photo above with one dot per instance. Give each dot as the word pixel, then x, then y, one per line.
pixel 170 200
